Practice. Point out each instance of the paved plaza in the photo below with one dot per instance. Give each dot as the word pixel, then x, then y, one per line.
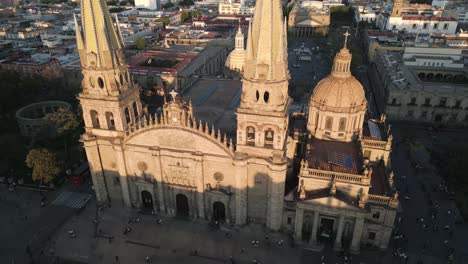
pixel 47 229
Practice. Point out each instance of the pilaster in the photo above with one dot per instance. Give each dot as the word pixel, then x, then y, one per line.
pixel 240 165
pixel 298 225
pixel 97 175
pixel 276 195
pixel 200 184
pixel 313 235
pixel 120 160
pixel 357 234
pixel 159 180
pixel 339 234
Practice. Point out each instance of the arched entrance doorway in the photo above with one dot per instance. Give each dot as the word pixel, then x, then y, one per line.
pixel 219 212
pixel 147 200
pixel 182 205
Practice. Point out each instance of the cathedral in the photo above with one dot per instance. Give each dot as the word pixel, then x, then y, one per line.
pixel 175 164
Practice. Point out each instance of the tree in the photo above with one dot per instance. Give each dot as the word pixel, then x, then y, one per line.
pixel 168 5
pixel 44 165
pixel 65 122
pixel 186 3
pixel 140 43
pixel 165 20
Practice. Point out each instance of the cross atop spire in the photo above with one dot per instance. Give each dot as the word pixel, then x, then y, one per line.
pixel 173 94
pixel 346 38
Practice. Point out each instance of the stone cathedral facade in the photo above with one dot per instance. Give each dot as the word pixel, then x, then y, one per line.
pixel 178 165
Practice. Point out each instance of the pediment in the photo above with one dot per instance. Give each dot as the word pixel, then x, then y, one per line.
pixel 332 202
pixel 180 139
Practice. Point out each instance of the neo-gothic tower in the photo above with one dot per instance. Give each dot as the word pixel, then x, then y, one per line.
pixel 109 98
pixel 110 101
pixel 262 116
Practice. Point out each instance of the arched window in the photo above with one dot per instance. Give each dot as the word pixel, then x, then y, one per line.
pixel 269 137
pixel 135 110
pixel 95 119
pixel 127 115
pixel 110 121
pixel 251 135
pixel 328 123
pixel 342 125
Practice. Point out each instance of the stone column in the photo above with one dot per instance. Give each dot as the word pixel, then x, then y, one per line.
pixel 313 235
pixel 357 234
pixel 339 234
pixel 240 167
pixel 298 225
pixel 120 160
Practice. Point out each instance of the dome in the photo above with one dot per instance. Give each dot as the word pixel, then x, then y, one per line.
pixel 338 93
pixel 235 60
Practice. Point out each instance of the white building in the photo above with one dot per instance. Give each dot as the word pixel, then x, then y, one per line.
pixel 235 9
pixel 433 57
pixel 417 21
pixel 148 4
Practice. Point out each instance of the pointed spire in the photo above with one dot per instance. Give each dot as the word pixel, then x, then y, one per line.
pixel 102 44
pixel 249 50
pixel 200 126
pixel 79 40
pixel 119 31
pixel 231 145
pixel 266 41
pixel 207 131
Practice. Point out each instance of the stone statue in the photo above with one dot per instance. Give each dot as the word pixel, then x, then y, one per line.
pixel 302 194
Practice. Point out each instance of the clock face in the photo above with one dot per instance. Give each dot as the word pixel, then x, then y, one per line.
pixel 174 119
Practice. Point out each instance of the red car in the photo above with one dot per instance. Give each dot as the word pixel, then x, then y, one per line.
pixel 80 174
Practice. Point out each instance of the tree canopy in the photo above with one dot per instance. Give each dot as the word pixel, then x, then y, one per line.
pixel 140 43
pixel 165 20
pixel 168 5
pixel 63 120
pixel 43 163
pixel 186 3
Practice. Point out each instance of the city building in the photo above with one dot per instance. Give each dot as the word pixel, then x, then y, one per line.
pixel 177 164
pixel 148 4
pixel 309 17
pixel 426 85
pixel 416 19
pixel 177 69
pixel 231 8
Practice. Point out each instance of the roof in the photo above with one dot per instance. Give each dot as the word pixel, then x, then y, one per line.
pixel 328 154
pixel 431 18
pixel 379 183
